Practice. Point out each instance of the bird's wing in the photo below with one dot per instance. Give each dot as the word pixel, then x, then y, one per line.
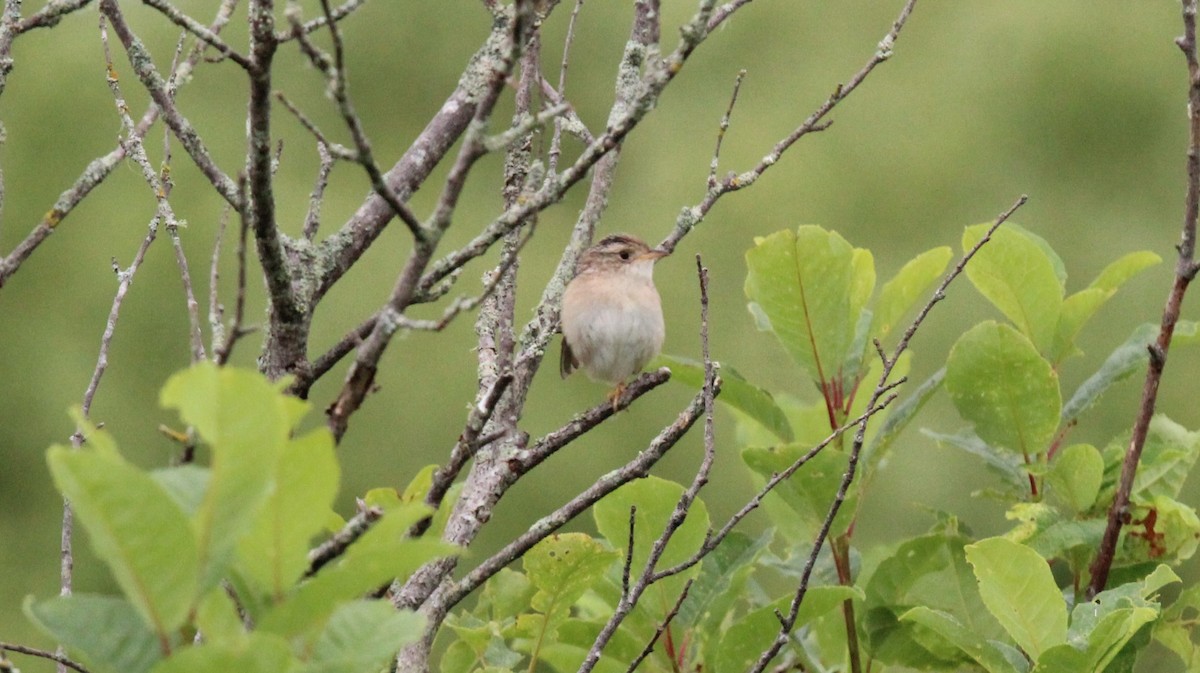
pixel 567 362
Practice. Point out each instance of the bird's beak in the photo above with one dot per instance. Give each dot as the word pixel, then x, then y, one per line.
pixel 654 254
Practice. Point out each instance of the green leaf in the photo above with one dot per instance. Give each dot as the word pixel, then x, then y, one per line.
pixel 811 489
pixel 246 421
pixel 809 288
pixel 1127 359
pixel 105 632
pixel 735 391
pixel 1080 307
pixel 1018 589
pixel 382 554
pixel 898 295
pixel 562 567
pixel 566 658
pixel 1075 476
pixel 186 484
pixel 655 499
pixel 1101 627
pixel 136 528
pixel 928 571
pixel 362 637
pixel 274 552
pixel 722 574
pixel 218 619
pixel 1002 463
pixel 1174 629
pixel 746 639
pixel 986 653
pixel 1168 456
pixel 1162 529
pixel 1020 275
pixel 259 653
pixel 998 381
pixel 507 594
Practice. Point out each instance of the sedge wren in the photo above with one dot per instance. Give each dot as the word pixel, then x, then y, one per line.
pixel 612 319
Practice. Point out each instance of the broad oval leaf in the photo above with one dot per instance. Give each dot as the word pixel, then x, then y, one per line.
pixel 1018 273
pixel 562 567
pixel 274 552
pixel 899 294
pixel 1018 588
pixel 106 632
pixel 136 528
pixel 998 381
pixel 1075 476
pixel 363 636
pixel 258 653
pixel 809 288
pixel 246 421
pixel 736 391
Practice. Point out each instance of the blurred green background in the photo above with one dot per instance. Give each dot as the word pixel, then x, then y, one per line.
pixel 1078 103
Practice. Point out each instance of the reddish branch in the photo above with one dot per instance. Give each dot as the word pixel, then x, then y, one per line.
pixel 1185 271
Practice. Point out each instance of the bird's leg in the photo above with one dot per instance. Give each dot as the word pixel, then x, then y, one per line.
pixel 614 397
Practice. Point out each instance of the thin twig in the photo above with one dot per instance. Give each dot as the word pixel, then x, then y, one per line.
pixel 560 90
pixel 34 652
pixel 690 216
pixel 333 547
pixel 201 31
pixel 629 545
pixel 1185 271
pixel 312 220
pixel 635 468
pixel 51 14
pixel 235 330
pixel 101 167
pixel 341 12
pixel 788 621
pixel 662 627
pixel 716 157
pixel 156 86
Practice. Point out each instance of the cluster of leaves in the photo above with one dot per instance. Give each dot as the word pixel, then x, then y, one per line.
pixel 210 559
pixel 939 601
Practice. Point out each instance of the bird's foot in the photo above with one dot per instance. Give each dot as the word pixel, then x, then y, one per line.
pixel 614 398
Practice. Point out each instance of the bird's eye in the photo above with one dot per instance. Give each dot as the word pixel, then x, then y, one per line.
pixel 624 254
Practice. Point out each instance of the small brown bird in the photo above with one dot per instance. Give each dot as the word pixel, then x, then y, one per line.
pixel 612 319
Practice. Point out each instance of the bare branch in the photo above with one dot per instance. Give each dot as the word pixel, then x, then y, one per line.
pixel 43 654
pixel 338 89
pixel 1185 271
pixel 634 469
pixel 342 11
pixel 49 15
pixel 143 67
pixel 101 167
pixel 689 217
pixel 716 158
pixel 334 547
pixel 201 31
pixel 236 331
